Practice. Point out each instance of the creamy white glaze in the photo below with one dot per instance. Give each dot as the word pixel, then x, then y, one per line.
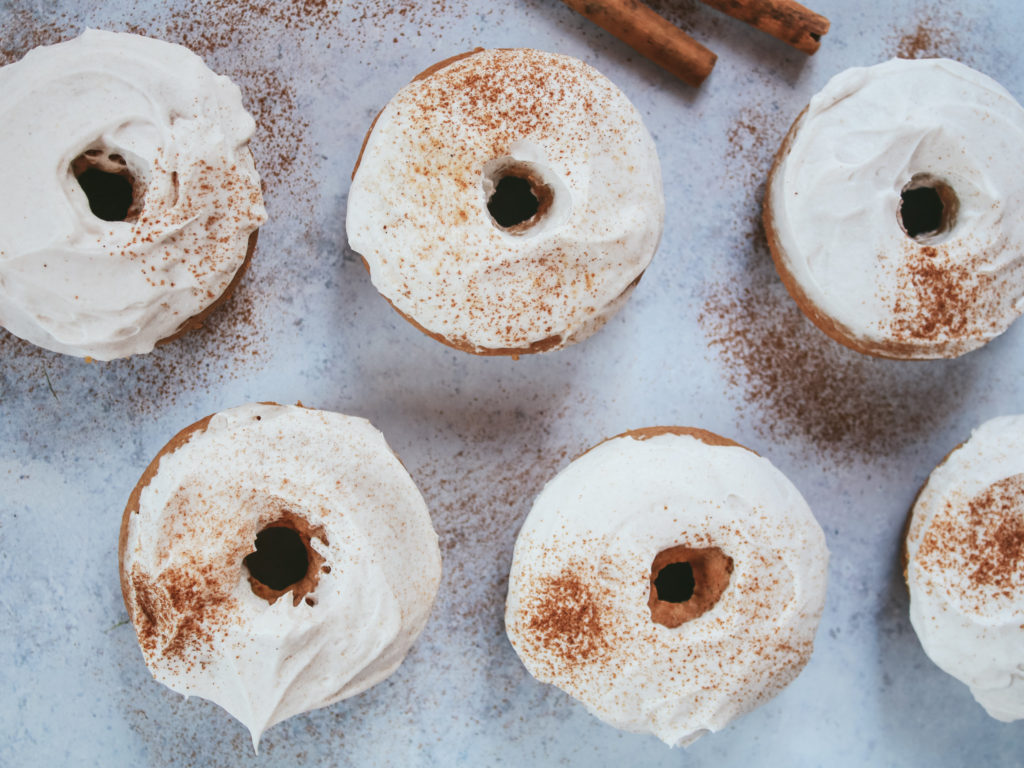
pixel 76 284
pixel 417 209
pixel 834 197
pixel 198 518
pixel 972 628
pixel 604 518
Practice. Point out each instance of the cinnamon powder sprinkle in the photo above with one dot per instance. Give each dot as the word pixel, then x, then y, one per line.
pixel 497 97
pixel 930 39
pixel 798 384
pixel 179 611
pixel 22 32
pixel 985 541
pixel 935 298
pixel 564 618
pixel 794 381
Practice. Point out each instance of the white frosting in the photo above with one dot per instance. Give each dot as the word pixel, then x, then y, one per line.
pixel 417 209
pixel 198 518
pixel 603 519
pixel 834 198
pixel 76 284
pixel 971 621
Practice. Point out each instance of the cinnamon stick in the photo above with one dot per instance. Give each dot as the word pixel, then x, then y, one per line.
pixel 786 20
pixel 651 36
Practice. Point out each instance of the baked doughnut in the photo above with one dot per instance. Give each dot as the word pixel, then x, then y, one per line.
pixel 507 201
pixel 892 209
pixel 133 200
pixel 964 558
pixel 276 559
pixel 670 579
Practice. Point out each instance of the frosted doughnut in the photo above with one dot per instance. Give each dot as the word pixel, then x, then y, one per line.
pixel 276 559
pixel 893 209
pixel 965 566
pixel 507 201
pixel 131 201
pixel 669 579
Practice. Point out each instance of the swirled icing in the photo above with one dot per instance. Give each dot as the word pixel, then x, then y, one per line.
pixel 74 283
pixel 578 612
pixel 834 199
pixel 194 518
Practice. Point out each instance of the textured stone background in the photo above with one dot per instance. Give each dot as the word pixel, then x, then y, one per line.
pixel 709 339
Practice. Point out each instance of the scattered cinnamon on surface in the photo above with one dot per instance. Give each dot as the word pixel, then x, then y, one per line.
pixel 477 507
pixel 752 139
pixel 23 31
pixel 231 341
pixel 797 384
pixel 937 33
pixel 926 42
pixel 789 378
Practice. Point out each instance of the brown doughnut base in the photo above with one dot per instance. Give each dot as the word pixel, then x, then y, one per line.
pixel 545 344
pixel 646 433
pixel 307 583
pixel 891 350
pixel 542 345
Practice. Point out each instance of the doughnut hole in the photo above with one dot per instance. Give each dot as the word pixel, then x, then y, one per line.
pixel 283 561
pixel 928 208
pixel 686 583
pixel 113 191
pixel 517 196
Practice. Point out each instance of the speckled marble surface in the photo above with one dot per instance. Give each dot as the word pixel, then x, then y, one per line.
pixel 709 339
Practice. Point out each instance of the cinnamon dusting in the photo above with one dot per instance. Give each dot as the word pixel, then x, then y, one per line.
pixel 565 619
pixel 478 504
pixel 498 98
pixel 179 611
pixel 793 380
pixel 799 384
pixel 936 298
pixel 982 540
pixel 23 31
pixel 933 37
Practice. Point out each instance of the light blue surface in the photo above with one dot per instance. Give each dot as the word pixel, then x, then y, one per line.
pixel 480 436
